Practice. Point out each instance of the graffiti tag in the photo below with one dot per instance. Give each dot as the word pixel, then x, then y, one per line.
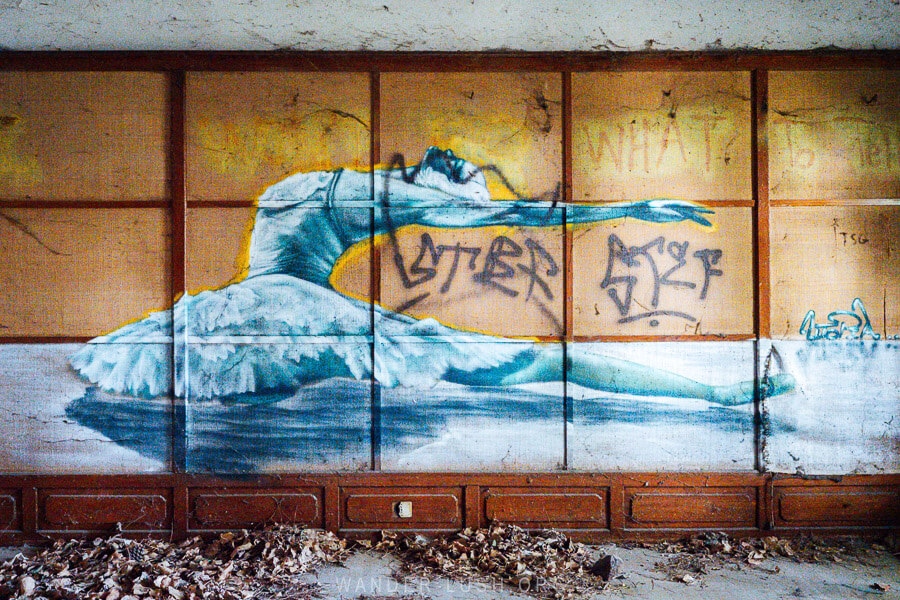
pixel 498 268
pixel 655 255
pixel 853 324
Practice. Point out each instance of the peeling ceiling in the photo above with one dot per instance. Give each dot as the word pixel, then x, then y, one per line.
pixel 476 25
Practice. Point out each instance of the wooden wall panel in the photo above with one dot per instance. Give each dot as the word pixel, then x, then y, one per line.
pixel 323 426
pixel 508 121
pixel 557 507
pixel 661 135
pixel 501 280
pixel 638 420
pixel 56 422
pixel 834 135
pixel 217 244
pixel 428 425
pixel 218 240
pixel 375 509
pixel 83 136
pixel 246 131
pixel 81 272
pixel 837 505
pixel 687 279
pixel 822 259
pixel 10 511
pixel 665 508
pixel 101 510
pixel 255 508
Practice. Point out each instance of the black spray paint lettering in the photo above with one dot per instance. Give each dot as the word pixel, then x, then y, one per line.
pixel 709 258
pixel 539 256
pixel 427 248
pixel 497 270
pixel 408 175
pixel 649 255
pixel 495 267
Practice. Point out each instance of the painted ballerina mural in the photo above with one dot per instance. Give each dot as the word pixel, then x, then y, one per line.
pixel 304 225
pixel 284 333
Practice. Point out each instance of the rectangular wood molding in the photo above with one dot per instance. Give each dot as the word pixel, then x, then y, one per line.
pixel 371 509
pixel 666 508
pixel 101 510
pixel 10 510
pixel 854 506
pixel 237 510
pixel 562 508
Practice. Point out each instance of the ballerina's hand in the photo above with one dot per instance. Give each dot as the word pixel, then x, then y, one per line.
pixel 670 211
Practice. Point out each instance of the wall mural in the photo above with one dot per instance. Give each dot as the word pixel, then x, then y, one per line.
pixel 304 225
pixel 411 317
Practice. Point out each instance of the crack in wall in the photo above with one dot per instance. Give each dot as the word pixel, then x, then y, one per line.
pixel 27 231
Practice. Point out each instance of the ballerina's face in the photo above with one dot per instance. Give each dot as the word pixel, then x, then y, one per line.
pixel 443 170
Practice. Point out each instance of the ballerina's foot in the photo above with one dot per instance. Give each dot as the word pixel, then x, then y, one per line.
pixel 778 384
pixel 742 393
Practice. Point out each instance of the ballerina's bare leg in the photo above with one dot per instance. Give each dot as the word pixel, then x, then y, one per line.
pixel 613 375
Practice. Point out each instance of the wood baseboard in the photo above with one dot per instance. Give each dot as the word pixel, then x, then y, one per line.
pixel 589 507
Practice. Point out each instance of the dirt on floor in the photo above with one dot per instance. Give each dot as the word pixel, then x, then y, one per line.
pixel 502 561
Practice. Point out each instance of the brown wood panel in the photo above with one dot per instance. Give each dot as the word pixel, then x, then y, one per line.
pixel 10 510
pixel 835 506
pixel 661 135
pixel 682 501
pixel 94 510
pixel 217 245
pixel 502 280
pixel 561 507
pixel 823 259
pixel 246 131
pixel 507 121
pixel 83 136
pixel 686 507
pixel 432 508
pixel 834 134
pixel 80 272
pixel 688 257
pixel 252 508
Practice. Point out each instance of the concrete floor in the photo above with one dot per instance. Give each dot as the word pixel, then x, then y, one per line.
pixel 369 575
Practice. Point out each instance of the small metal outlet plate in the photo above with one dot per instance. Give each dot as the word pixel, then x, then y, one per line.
pixel 404 509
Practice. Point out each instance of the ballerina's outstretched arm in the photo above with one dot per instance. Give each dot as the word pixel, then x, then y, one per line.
pixel 614 375
pixel 527 214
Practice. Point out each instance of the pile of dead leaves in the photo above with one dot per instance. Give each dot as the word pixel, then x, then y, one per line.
pixel 698 555
pixel 230 566
pixel 546 563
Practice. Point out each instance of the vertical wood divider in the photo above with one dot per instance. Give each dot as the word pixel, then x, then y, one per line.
pixel 332 505
pixel 568 293
pixel 765 508
pixel 29 509
pixel 374 259
pixel 179 346
pixel 472 515
pixel 759 94
pixel 616 505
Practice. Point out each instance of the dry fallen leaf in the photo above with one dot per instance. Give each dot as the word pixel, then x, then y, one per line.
pixel 232 566
pixel 545 563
